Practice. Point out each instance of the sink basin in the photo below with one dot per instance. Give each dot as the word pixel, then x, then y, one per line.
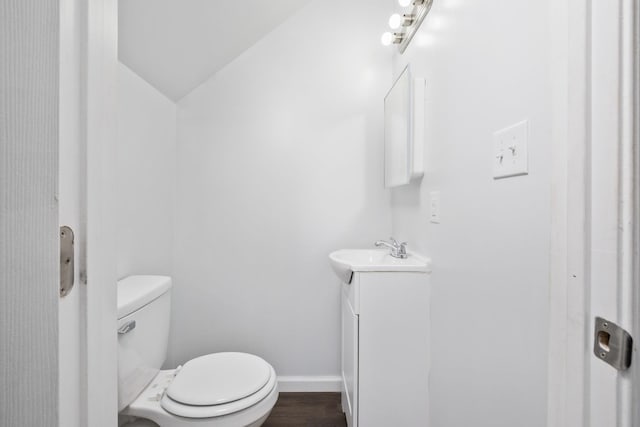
pixel 345 261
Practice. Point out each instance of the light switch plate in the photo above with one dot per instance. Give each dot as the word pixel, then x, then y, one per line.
pixel 434 207
pixel 510 151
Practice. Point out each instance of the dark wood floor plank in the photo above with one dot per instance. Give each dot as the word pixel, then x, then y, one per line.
pixel 307 410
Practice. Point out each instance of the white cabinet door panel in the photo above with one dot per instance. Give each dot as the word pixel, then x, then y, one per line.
pixel 349 362
pixel 393 350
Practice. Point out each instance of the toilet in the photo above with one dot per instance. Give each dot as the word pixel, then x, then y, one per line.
pixel 227 389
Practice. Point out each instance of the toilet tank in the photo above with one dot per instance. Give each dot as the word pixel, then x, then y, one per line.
pixel 144 304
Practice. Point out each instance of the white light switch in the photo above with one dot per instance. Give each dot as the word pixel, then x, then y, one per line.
pixel 510 151
pixel 434 207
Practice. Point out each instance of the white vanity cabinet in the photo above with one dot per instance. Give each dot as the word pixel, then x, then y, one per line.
pixel 385 349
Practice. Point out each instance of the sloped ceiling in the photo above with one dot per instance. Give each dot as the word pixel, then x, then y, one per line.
pixel 177 44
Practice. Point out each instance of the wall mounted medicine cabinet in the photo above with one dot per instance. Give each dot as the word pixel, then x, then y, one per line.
pixel 404 130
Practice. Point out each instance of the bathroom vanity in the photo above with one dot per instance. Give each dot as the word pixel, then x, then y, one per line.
pixel 385 342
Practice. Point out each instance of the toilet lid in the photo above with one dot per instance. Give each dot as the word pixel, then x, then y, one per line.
pixel 219 378
pixel 235 407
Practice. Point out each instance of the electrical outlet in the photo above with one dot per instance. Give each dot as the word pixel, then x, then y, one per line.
pixel 434 207
pixel 510 151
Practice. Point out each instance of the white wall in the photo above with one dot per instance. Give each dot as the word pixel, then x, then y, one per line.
pixel 29 233
pixel 487 66
pixel 279 163
pixel 146 154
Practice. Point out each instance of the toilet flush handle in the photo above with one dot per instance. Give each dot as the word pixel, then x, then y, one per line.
pixel 127 327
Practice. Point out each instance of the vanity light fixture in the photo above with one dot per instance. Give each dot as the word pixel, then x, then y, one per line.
pixel 406 3
pixel 391 38
pixel 396 21
pixel 406 24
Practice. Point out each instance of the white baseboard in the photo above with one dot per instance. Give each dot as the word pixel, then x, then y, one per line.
pixel 306 384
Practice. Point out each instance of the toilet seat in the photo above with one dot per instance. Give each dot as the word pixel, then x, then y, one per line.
pixel 219 378
pixel 211 411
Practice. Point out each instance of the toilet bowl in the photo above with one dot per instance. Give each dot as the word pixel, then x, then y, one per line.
pixel 228 389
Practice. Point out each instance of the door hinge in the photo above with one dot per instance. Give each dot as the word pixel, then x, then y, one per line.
pixel 612 344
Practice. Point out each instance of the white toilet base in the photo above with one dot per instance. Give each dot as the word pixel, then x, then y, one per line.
pixel 147 406
pixel 140 422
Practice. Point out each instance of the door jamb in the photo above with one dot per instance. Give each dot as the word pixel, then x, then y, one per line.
pixel 567 398
pixel 98 263
pixel 632 54
pixel 570 316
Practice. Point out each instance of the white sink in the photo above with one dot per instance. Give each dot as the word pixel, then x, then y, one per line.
pixel 345 261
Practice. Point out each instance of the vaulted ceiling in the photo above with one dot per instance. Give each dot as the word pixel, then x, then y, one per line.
pixel 178 44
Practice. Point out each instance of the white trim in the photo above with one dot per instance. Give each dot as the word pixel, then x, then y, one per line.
pixel 635 56
pixel 612 196
pixel 569 280
pixel 306 384
pixel 575 392
pixel 98 266
pixel 627 243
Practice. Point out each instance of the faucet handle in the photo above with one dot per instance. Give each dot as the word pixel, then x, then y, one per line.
pixel 393 241
pixel 402 250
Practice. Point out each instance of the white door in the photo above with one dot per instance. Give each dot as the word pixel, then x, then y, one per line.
pixel 28 213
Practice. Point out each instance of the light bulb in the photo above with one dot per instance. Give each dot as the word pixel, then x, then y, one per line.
pixel 404 3
pixel 386 39
pixel 395 21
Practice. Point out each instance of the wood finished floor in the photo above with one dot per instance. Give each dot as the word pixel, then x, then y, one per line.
pixel 307 410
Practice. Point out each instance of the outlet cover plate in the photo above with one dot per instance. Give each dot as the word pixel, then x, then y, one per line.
pixel 434 207
pixel 510 151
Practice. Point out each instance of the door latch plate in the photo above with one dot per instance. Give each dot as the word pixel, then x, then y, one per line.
pixel 66 260
pixel 612 344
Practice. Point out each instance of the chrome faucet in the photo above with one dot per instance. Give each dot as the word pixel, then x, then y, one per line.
pixel 398 250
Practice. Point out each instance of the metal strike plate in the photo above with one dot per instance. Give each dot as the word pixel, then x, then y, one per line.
pixel 66 260
pixel 612 344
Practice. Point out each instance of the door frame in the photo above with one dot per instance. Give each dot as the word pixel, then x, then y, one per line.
pixel 570 317
pixel 98 258
pixel 633 123
pixel 569 260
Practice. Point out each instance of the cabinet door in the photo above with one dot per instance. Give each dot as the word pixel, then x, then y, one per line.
pixel 393 345
pixel 349 362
